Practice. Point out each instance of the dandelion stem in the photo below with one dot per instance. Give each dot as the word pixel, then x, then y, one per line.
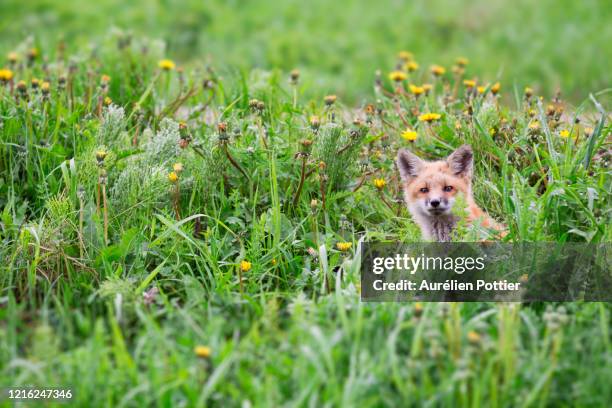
pixel 177 203
pixel 577 139
pixel 240 279
pixel 261 132
pixel 136 133
pixel 234 162
pixel 384 200
pixel 302 178
pixel 388 124
pixel 322 189
pixel 81 221
pixel 398 110
pixel 98 198
pixel 71 91
pixel 99 107
pixel 105 214
pixel 173 106
pixel 345 148
pixel 198 151
pixel 363 179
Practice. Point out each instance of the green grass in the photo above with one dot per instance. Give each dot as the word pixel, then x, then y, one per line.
pixel 549 44
pixel 291 330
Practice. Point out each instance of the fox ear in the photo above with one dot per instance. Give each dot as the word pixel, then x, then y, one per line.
pixel 409 164
pixel 461 161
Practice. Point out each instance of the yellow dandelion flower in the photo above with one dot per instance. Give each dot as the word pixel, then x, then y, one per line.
pixel 173 177
pixel 495 88
pixel 405 56
pixel 437 70
pixel 588 131
pixel 429 117
pixel 457 125
pixel 524 278
pixel 33 53
pixel 166 64
pixel 202 351
pixel 105 79
pixel 45 87
pixel 380 183
pixel 481 89
pixel 101 155
pixel 462 61
pixel 528 92
pixel 107 101
pixel 564 133
pixel 473 337
pixel 12 57
pixel 409 135
pixel 416 90
pixel 245 266
pixel 177 167
pixel 397 76
pixel 418 309
pixel 469 83
pixel 427 87
pixel 344 246
pixel 412 66
pixel 6 75
pixel 535 125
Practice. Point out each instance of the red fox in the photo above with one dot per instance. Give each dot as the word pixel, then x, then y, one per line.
pixel 430 189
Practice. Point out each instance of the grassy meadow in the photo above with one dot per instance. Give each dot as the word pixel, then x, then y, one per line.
pixel 550 45
pixel 180 220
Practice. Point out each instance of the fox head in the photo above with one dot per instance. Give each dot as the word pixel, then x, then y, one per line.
pixel 430 188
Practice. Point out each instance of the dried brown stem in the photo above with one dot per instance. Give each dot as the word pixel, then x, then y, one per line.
pixel 234 162
pixel 302 178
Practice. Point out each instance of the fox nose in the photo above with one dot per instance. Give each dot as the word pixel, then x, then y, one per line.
pixel 434 203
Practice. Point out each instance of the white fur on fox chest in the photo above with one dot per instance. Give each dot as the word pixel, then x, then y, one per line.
pixel 437 228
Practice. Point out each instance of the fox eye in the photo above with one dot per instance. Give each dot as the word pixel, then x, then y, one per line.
pixel 424 190
pixel 448 188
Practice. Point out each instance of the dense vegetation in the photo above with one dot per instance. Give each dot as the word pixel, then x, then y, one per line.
pixel 190 236
pixel 548 45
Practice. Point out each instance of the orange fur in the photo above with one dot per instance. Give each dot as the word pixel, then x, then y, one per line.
pixel 430 189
